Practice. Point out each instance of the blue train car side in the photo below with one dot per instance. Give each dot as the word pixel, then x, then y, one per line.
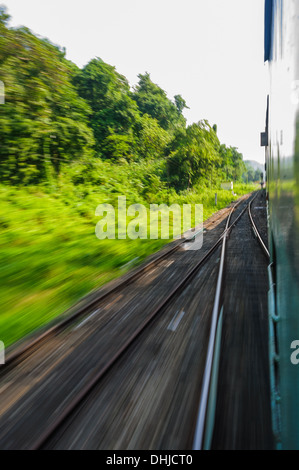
pixel 281 139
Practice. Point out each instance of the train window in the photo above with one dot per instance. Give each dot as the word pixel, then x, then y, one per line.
pixel 268 29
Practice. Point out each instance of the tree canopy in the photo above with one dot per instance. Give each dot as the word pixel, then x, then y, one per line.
pixel 56 114
pixel 152 100
pixel 43 118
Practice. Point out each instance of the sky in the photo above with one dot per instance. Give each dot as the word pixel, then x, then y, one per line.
pixel 208 51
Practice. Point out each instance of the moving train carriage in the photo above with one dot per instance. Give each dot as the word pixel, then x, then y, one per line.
pixel 281 139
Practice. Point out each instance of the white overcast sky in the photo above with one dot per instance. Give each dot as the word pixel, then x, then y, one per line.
pixel 209 51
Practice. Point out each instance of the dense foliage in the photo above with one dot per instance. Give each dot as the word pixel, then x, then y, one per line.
pixel 43 120
pixel 56 114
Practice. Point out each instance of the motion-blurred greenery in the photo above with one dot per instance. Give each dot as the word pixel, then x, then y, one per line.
pixel 71 139
pixel 51 256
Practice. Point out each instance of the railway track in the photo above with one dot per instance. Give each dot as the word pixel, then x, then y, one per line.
pixel 65 413
pixel 257 233
pixel 49 432
pixel 206 413
pixel 238 415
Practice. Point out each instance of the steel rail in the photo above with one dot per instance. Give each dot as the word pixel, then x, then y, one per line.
pixel 202 411
pixel 199 435
pixel 260 240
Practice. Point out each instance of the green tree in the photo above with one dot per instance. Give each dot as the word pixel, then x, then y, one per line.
pixel 232 163
pixel 151 139
pixel 43 122
pixel 113 111
pixel 180 103
pixel 249 174
pixel 153 101
pixel 193 156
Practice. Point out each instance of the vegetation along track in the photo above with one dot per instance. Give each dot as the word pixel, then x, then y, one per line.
pixel 76 358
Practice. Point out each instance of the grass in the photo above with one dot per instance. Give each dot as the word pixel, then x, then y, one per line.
pixel 51 257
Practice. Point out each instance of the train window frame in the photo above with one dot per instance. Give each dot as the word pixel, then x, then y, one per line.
pixel 268 49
